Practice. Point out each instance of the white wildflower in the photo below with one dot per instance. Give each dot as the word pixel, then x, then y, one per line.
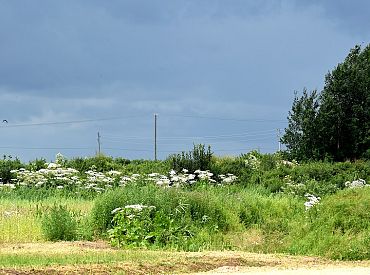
pixel 356 184
pixel 116 210
pixel 312 200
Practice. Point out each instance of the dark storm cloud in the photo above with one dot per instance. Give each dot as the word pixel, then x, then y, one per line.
pixel 70 60
pixel 49 45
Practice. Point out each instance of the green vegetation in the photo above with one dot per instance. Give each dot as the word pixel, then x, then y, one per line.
pixel 334 124
pixel 268 205
pixel 58 224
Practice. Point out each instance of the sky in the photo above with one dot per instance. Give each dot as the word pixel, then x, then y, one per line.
pixel 217 72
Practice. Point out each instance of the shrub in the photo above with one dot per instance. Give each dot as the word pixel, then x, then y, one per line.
pixel 141 225
pixel 36 164
pixel 7 164
pixel 198 158
pixel 58 224
pixel 178 215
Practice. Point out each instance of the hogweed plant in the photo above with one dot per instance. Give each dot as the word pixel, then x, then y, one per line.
pixel 54 175
pixel 141 225
pixel 356 184
pixel 132 226
pixel 312 200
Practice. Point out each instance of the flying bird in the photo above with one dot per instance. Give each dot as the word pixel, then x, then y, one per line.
pixel 5 121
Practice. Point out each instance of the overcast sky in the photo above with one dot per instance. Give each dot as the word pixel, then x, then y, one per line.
pixel 218 72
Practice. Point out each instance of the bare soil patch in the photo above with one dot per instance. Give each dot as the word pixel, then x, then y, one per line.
pixel 214 262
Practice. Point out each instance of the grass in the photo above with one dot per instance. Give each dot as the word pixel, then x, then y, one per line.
pixel 239 218
pixel 20 219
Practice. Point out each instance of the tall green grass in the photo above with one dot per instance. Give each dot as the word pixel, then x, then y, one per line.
pixel 338 228
pixel 21 219
pixel 247 217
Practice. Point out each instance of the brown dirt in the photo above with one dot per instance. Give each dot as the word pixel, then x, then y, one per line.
pixel 229 262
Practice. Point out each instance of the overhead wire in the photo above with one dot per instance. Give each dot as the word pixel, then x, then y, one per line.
pixel 67 122
pixel 163 141
pixel 231 119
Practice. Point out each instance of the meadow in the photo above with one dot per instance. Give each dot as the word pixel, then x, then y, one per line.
pixel 258 203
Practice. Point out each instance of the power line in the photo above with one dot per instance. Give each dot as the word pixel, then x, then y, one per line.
pixel 245 134
pixel 47 148
pixel 232 119
pixel 9 125
pixel 68 122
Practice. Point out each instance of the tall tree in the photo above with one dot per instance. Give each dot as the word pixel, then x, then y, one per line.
pixel 345 107
pixel 300 136
pixel 339 118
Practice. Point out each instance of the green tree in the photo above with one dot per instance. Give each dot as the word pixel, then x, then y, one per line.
pixel 301 135
pixel 345 107
pixel 336 123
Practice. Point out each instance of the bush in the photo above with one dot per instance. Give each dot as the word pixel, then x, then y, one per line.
pixel 198 158
pixel 178 215
pixel 59 225
pixel 141 225
pixel 100 163
pixel 8 164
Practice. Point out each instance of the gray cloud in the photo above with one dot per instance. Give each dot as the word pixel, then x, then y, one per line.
pixel 72 60
pixel 351 16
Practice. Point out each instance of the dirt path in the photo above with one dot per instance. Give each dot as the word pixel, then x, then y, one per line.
pixel 323 270
pixel 164 262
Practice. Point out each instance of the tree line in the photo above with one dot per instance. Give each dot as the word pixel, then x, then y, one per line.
pixel 333 124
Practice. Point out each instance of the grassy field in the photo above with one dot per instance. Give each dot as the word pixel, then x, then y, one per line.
pixel 140 222
pixel 20 219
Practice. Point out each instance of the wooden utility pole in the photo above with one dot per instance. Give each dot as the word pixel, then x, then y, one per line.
pixel 155 136
pixel 98 143
pixel 279 137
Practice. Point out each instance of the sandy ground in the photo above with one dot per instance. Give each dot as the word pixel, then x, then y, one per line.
pixel 161 262
pixel 324 270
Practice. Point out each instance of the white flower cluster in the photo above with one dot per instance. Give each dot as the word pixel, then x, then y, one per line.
pixel 58 177
pixel 52 174
pixel 286 163
pixel 312 200
pixel 228 178
pixel 98 181
pixel 252 162
pixel 184 178
pixel 136 208
pixel 293 187
pixel 356 184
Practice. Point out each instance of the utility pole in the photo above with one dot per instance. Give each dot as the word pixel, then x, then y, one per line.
pixel 278 134
pixel 155 136
pixel 98 144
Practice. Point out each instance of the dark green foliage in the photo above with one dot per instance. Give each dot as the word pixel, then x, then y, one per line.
pixel 36 164
pixel 180 212
pixel 146 167
pixel 198 158
pixel 301 135
pixel 345 107
pixel 8 164
pixel 100 163
pixel 148 227
pixel 233 165
pixel 319 178
pixel 336 124
pixel 103 163
pixel 59 225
